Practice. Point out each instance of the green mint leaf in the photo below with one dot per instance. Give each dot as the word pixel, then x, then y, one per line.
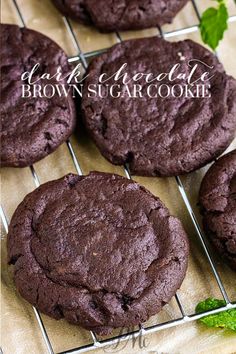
pixel 213 24
pixel 209 304
pixel 225 319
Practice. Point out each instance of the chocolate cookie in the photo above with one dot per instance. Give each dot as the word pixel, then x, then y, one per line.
pixel 75 9
pixel 110 15
pixel 32 127
pixel 218 202
pixel 85 250
pixel 159 136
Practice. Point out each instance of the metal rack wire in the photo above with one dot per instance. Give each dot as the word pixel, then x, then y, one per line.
pixel 95 344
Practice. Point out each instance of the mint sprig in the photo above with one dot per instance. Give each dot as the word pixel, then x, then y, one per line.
pixel 214 23
pixel 224 319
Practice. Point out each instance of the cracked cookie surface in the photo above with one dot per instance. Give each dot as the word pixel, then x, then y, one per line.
pixel 98 250
pixel 160 136
pixel 113 15
pixel 31 127
pixel 218 202
pixel 74 9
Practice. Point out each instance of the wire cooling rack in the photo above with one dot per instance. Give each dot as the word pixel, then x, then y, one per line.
pixel 184 318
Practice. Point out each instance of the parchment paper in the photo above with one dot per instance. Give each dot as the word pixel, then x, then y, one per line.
pixel 20 331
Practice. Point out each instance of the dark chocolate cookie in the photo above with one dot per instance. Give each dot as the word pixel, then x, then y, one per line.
pixel 85 250
pixel 113 15
pixel 218 202
pixel 32 127
pixel 159 136
pixel 75 9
